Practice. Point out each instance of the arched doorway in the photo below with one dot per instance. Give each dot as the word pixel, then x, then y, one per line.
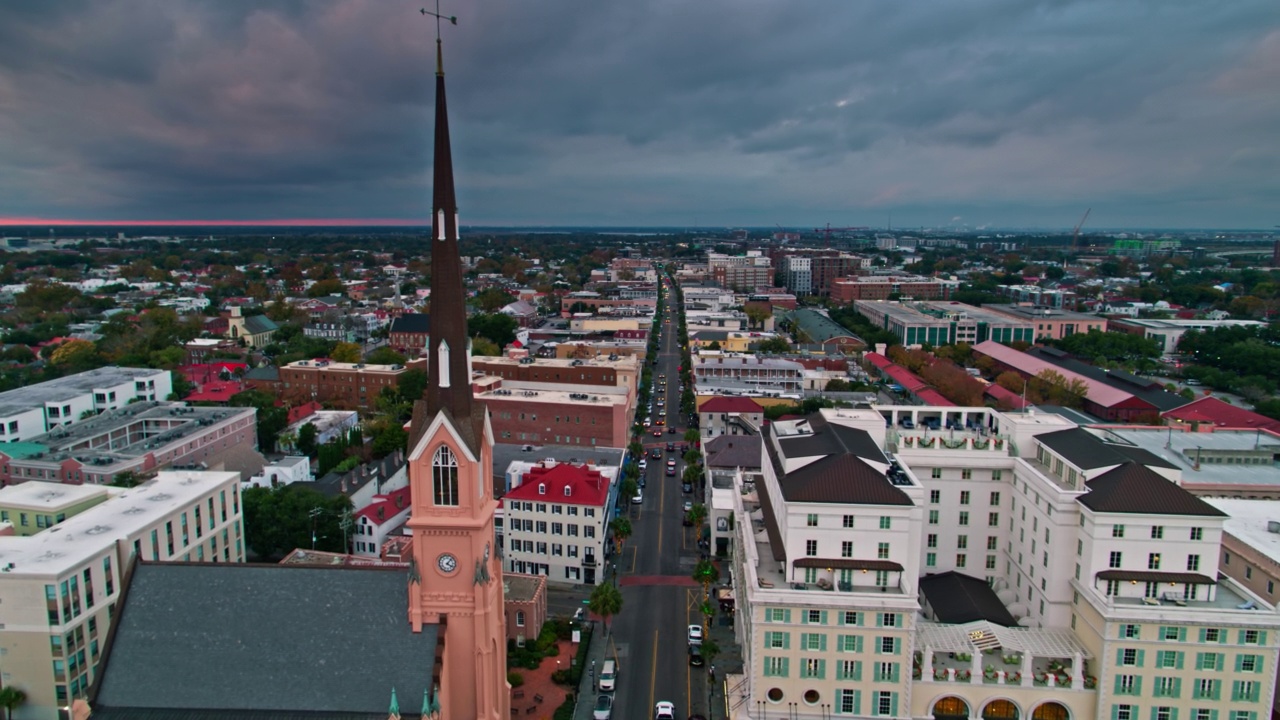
pixel 1051 711
pixel 950 708
pixel 1000 710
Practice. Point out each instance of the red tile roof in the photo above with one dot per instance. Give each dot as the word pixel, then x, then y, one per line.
pixel 731 405
pixel 586 486
pixel 215 392
pixel 303 411
pixel 1223 415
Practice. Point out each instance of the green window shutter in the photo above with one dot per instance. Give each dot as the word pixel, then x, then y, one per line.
pixel 1203 634
pixel 1262 637
pixel 1213 715
pixel 1239 637
pixel 857 702
pixel 1115 712
pixel 1235 690
pixel 824 617
pixel 768 669
pixel 822 642
pixel 1160 658
pixel 1119 656
pixel 804 617
pixel 857 643
pixel 1178 659
pixel 1219 660
pixel 822 669
pixel 894 677
pixel 1216 687
pixel 1137 685
pixel 1182 634
pixel 840 618
pixel 893 704
pixel 786 615
pixel 1141 655
pixel 1153 713
pixel 880 619
pixel 1117 690
pixel 1257 662
pixel 1173 713
pixel 1239 662
pixel 786 640
pixel 1177 687
pixel 786 667
pixel 1222 637
pixel 897 645
pixel 857 670
pixel 1201 659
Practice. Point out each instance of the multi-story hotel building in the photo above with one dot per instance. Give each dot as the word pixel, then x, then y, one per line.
pixel 59 587
pixel 556 522
pixel 1015 566
pixel 944 323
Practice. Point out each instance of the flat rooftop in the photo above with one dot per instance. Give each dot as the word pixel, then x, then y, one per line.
pixel 902 313
pixel 972 312
pixel 1249 520
pixel 68 388
pixel 49 496
pixel 614 361
pixel 1040 314
pixel 1182 448
pixel 1173 324
pixel 596 396
pixel 80 538
pixel 506 453
pixel 130 432
pixel 344 367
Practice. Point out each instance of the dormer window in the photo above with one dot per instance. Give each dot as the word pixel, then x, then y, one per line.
pixel 542 488
pixel 568 491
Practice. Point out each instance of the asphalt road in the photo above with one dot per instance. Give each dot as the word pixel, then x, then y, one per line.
pixel 660 599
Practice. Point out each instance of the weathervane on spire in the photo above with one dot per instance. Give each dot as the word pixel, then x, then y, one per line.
pixel 453 19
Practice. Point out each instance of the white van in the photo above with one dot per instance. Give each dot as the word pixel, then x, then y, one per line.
pixel 608 676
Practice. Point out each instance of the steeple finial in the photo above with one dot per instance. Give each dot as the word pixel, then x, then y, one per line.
pixel 453 19
pixel 395 706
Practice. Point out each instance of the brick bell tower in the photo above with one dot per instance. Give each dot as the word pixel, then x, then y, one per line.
pixel 457 579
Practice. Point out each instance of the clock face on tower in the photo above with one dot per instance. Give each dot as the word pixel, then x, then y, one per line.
pixel 447 563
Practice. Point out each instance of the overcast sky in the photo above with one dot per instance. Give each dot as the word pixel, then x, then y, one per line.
pixel 1155 113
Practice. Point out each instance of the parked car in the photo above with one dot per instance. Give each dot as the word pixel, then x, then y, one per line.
pixel 644 464
pixel 686 488
pixel 688 505
pixel 664 711
pixel 604 707
pixel 695 656
pixel 695 634
pixel 638 498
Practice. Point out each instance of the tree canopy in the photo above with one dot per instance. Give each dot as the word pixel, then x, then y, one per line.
pixel 278 520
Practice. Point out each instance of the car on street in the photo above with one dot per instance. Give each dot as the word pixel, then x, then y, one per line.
pixel 688 505
pixel 671 447
pixel 695 634
pixel 686 488
pixel 661 421
pixel 695 656
pixel 656 454
pixel 671 431
pixel 604 707
pixel 664 711
pixel 644 464
pixel 657 432
pixel 638 497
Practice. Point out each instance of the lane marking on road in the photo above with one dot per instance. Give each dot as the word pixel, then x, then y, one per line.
pixel 653 677
pixel 635 552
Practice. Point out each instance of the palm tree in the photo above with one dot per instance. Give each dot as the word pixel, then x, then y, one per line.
pixel 697 514
pixel 691 436
pixel 10 698
pixel 605 601
pixel 706 573
pixel 621 528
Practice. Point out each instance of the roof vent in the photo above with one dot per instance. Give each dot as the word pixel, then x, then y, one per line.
pixel 1273 526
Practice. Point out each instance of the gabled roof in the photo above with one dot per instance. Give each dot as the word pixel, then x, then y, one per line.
pixel 411 323
pixel 258 324
pixel 268 373
pixel 390 505
pixel 586 486
pixel 842 476
pixel 230 640
pixel 1132 488
pixel 1088 452
pixel 1142 388
pixel 1030 365
pixel 1223 415
pixel 957 598
pixel 724 404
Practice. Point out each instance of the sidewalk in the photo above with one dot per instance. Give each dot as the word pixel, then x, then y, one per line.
pixel 594 657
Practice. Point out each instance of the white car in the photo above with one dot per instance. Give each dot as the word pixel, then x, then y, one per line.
pixel 603 709
pixel 664 711
pixel 643 464
pixel 638 498
pixel 688 506
pixel 695 634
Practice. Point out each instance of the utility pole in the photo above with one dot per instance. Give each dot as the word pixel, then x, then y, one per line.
pixel 314 514
pixel 345 523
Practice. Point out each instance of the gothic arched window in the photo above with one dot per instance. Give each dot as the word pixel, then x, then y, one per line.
pixel 444 477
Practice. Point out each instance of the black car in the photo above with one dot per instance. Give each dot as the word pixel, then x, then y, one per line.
pixel 686 488
pixel 656 454
pixel 671 447
pixel 695 655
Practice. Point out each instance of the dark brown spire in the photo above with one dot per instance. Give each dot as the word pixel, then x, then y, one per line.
pixel 449 384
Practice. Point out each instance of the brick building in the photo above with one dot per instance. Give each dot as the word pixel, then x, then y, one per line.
pixel 607 371
pixel 409 333
pixel 849 289
pixel 538 416
pixel 345 386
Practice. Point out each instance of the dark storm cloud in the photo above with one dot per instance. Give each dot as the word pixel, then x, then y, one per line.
pixel 1155 112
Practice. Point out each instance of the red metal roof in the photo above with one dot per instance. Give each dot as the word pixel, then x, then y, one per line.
pixel 1223 415
pixel 932 397
pixel 878 360
pixel 1029 365
pixel 215 392
pixel 723 404
pixel 1002 393
pixel 586 486
pixel 391 504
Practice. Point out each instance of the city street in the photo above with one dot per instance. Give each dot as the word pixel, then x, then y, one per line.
pixel 660 599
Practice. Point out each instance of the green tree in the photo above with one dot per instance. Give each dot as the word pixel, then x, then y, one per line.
pixel 412 384
pixel 272 419
pixel 492 300
pixel 385 356
pixel 757 314
pixel 605 601
pixel 838 385
pixel 10 698
pixel 484 346
pixel 497 328
pixel 697 515
pixel 332 286
pixel 620 527
pixel 347 352
pixel 706 573
pixel 279 520
pixel 773 345
pixel 306 442
pixel 126 479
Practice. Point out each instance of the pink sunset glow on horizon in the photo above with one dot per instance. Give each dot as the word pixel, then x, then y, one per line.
pixel 274 222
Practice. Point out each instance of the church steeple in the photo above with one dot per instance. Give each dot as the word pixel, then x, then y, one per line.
pixel 449 385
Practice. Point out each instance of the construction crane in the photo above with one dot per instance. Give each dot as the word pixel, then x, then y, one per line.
pixel 1075 234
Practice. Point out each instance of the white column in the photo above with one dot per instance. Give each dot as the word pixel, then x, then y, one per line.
pixel 1077 674
pixel 1027 674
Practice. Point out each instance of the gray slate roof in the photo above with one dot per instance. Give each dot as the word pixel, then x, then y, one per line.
pixel 1133 488
pixel 734 451
pixel 256 324
pixel 1088 451
pixel 842 476
pixel 957 598
pixel 411 323
pixel 197 641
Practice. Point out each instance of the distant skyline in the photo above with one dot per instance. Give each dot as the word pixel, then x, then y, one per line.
pixel 989 113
